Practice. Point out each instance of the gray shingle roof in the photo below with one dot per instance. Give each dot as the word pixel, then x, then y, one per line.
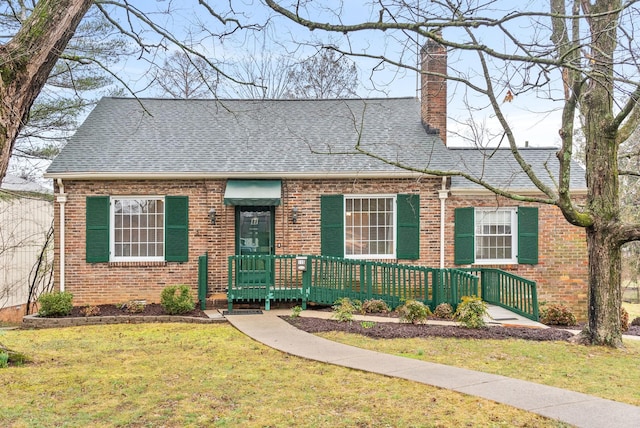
pixel 499 167
pixel 124 137
pixel 249 137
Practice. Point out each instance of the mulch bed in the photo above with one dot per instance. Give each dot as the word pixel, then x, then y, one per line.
pixel 379 330
pixel 384 330
pixel 150 309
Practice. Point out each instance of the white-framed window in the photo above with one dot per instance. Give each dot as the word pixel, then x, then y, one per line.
pixel 496 235
pixel 370 226
pixel 137 231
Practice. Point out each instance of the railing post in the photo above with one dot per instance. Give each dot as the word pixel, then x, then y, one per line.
pixel 203 280
pixel 455 297
pixel 306 281
pixel 436 273
pixel 483 287
pixel 369 276
pixel 534 297
pixel 230 284
pixel 267 286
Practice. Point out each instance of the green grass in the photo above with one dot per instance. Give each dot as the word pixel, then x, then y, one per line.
pixel 600 371
pixel 187 375
pixel 633 309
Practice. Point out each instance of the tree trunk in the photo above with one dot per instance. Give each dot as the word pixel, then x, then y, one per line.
pixel 27 60
pixel 604 293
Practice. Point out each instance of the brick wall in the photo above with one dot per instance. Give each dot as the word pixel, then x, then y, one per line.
pixel 99 283
pixel 118 282
pixel 561 272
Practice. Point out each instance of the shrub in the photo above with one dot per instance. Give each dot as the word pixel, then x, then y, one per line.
pixel 55 304
pixel 624 319
pixel 295 311
pixel 177 299
pixel 413 312
pixel 4 359
pixel 556 314
pixel 375 306
pixel 133 306
pixel 344 308
pixel 443 310
pixel 90 311
pixel 471 312
pixel 636 321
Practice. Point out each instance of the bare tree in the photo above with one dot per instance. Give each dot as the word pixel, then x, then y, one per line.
pixel 71 88
pixel 268 72
pixel 38 41
pixel 326 74
pixel 184 77
pixel 578 56
pixel 27 60
pixel 323 75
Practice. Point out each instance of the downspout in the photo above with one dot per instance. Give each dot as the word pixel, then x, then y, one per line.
pixel 443 194
pixel 62 199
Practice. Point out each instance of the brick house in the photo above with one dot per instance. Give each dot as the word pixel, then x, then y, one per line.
pixel 146 186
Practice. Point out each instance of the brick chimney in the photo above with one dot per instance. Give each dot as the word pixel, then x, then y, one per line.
pixel 434 89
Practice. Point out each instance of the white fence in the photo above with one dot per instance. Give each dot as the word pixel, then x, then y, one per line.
pixel 26 246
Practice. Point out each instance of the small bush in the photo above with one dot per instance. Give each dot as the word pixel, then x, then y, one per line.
pixel 343 309
pixel 57 304
pixel 413 312
pixel 471 312
pixel 177 299
pixel 636 321
pixel 443 310
pixel 295 311
pixel 375 306
pixel 557 314
pixel 133 306
pixel 90 311
pixel 624 319
pixel 367 324
pixel 4 359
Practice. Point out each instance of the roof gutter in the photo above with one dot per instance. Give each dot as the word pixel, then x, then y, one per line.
pixel 474 191
pixel 224 176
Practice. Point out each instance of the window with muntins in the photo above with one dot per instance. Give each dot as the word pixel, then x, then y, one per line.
pixel 496 235
pixel 138 232
pixel 370 226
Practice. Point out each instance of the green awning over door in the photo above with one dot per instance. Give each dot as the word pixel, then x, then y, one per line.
pixel 253 192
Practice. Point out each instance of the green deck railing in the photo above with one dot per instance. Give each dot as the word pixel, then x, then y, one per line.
pixel 332 278
pixel 277 278
pixel 264 278
pixel 510 291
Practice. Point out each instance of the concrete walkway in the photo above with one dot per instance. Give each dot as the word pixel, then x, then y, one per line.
pixel 577 409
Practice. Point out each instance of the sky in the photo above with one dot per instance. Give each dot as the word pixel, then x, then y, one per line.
pixel 533 121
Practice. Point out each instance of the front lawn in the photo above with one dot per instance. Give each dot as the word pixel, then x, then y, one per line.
pixel 596 370
pixel 633 309
pixel 183 375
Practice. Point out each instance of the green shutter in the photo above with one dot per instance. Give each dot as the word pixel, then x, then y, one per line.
pixel 97 229
pixel 528 235
pixel 176 211
pixel 332 225
pixel 464 252
pixel 408 230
